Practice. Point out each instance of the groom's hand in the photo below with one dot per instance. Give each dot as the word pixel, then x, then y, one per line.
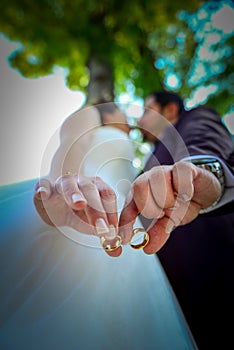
pixel 171 196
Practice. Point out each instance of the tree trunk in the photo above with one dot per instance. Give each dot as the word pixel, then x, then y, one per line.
pixel 101 83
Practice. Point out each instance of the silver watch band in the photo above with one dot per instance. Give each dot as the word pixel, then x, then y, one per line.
pixel 214 166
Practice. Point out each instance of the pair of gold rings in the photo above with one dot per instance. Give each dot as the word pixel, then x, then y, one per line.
pixel 110 245
pixel 113 244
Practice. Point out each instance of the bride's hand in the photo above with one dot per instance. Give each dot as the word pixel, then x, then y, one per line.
pixel 86 204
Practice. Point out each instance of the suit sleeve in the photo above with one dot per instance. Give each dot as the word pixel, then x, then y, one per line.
pixel 205 136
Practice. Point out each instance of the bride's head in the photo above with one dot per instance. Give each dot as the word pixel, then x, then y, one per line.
pixel 112 115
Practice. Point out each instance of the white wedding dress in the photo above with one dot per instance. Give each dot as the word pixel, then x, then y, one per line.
pixel 60 291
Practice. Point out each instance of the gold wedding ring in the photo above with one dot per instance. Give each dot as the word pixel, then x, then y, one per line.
pixel 145 241
pixel 111 244
pixel 68 173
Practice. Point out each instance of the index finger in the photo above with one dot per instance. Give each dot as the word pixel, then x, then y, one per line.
pixel 43 189
pixel 66 185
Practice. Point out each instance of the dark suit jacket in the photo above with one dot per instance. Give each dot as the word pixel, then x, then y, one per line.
pixel 198 258
pixel 198 131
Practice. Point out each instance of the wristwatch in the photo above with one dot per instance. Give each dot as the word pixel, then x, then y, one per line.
pixel 215 167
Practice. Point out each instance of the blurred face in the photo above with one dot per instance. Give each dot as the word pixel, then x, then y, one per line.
pixel 118 120
pixel 152 123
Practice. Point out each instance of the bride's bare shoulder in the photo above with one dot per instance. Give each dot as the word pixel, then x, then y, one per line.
pixel 80 122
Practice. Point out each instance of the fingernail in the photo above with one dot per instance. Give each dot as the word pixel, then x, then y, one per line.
pixel 161 214
pixel 76 197
pixel 184 197
pixel 41 189
pixel 170 227
pixel 42 192
pixel 112 233
pixel 101 226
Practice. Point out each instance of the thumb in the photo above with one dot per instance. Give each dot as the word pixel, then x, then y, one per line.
pixel 159 232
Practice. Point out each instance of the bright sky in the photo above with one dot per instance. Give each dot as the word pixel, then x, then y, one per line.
pixel 31 111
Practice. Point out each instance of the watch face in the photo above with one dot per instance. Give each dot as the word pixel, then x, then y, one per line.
pixel 204 161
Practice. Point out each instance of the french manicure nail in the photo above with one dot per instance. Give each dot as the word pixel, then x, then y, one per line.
pixel 42 192
pixel 112 233
pixel 101 226
pixel 42 189
pixel 76 197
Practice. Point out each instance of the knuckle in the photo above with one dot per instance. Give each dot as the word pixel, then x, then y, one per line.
pixel 154 176
pixel 183 166
pixel 67 188
pixel 139 186
pixel 42 182
pixel 158 177
pixel 152 211
pixel 108 193
pixel 88 188
pixel 87 185
pixel 148 213
pixel 58 182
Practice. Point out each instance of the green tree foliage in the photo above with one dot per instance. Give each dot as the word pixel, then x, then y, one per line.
pixel 141 41
pixel 68 33
pixel 198 50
